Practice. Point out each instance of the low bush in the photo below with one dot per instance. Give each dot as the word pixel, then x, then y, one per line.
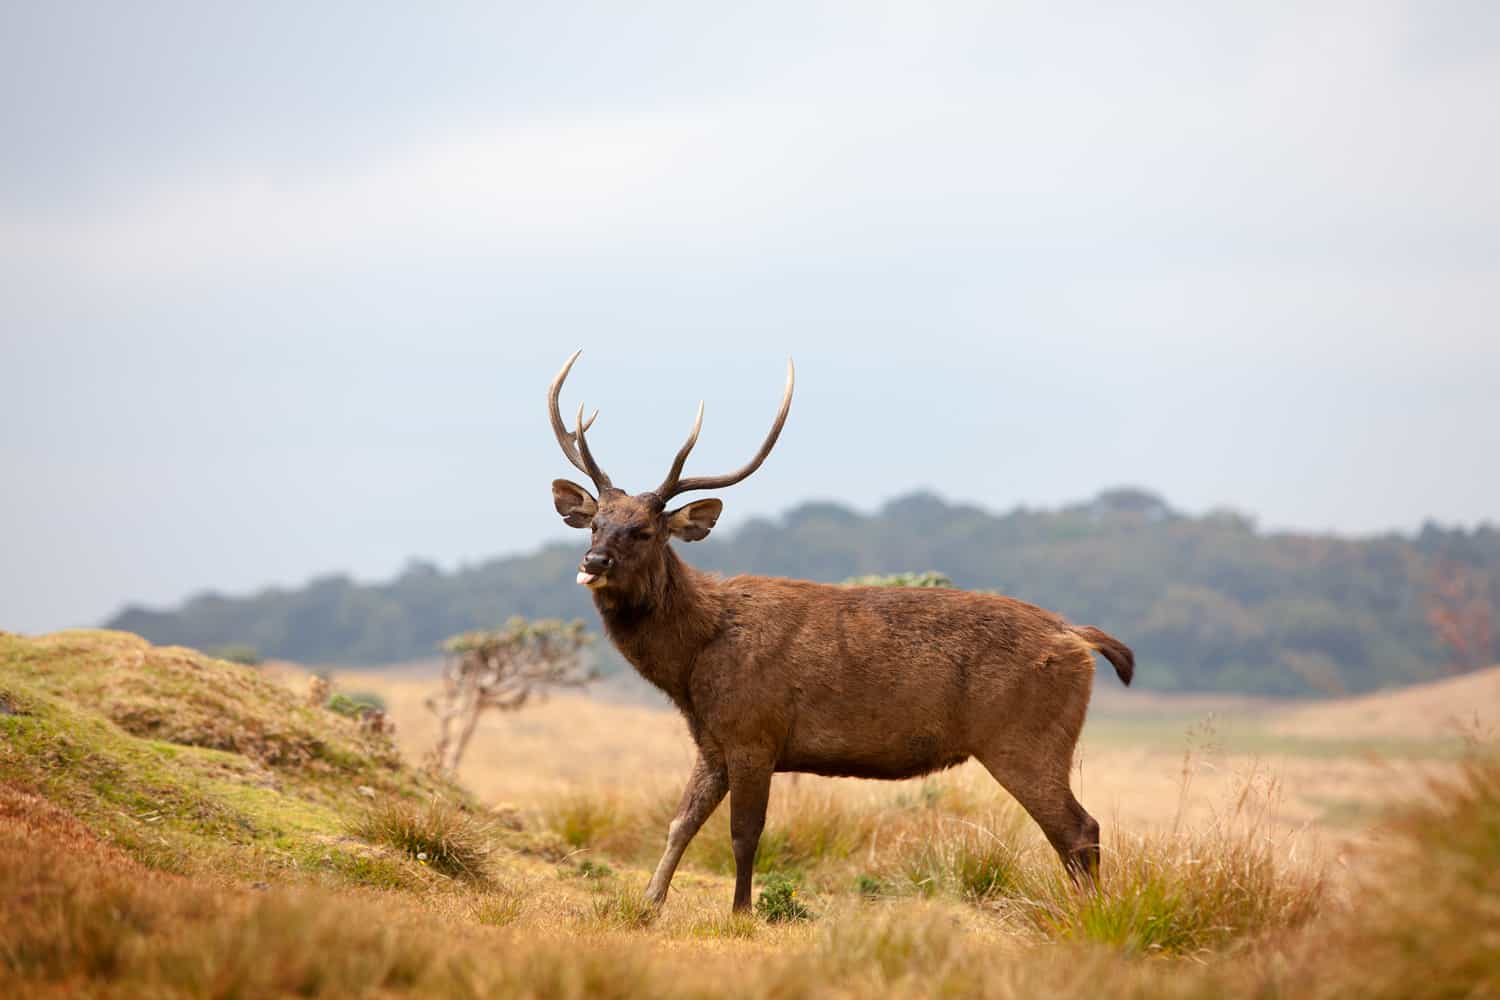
pixel 355 703
pixel 778 902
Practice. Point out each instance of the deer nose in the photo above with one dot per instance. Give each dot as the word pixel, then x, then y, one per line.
pixel 596 562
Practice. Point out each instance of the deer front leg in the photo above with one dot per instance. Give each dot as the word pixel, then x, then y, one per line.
pixel 705 790
pixel 749 789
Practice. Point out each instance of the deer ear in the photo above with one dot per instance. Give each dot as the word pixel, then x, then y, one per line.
pixel 576 504
pixel 692 522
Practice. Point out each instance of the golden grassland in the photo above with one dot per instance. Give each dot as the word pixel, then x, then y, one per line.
pixel 171 825
pixel 1328 780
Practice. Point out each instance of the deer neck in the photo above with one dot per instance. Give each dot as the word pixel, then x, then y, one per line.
pixel 661 628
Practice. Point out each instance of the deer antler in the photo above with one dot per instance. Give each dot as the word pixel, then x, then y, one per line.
pixel 573 443
pixel 674 484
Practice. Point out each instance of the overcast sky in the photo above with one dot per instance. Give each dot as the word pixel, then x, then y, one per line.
pixel 282 285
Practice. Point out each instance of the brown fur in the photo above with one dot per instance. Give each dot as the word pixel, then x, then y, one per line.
pixel 786 675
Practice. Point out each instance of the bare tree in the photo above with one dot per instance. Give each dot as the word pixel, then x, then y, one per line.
pixel 501 670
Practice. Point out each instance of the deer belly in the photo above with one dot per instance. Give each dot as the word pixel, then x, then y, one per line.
pixel 899 756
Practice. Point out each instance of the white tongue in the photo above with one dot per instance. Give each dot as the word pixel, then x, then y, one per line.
pixel 587 578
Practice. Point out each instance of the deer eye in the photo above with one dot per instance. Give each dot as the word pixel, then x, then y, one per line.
pixel 640 534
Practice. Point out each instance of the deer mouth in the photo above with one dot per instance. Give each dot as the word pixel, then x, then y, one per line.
pixel 593 581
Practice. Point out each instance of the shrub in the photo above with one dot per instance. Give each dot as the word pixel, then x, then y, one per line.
pixel 368 699
pixel 778 902
pixel 355 703
pixel 594 869
pixel 931 578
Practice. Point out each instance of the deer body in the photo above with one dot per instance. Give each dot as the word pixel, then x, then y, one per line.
pixel 787 675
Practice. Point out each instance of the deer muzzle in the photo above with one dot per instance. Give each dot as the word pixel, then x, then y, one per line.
pixel 594 568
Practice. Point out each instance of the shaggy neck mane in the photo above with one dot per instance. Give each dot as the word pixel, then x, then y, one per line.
pixel 661 624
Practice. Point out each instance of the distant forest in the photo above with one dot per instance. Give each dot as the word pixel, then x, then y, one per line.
pixel 1209 603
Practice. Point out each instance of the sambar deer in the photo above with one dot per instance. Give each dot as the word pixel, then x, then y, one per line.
pixel 786 675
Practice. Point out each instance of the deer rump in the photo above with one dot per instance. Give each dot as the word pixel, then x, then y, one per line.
pixel 891 683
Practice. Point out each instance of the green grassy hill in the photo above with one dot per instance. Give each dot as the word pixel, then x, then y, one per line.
pixel 194 765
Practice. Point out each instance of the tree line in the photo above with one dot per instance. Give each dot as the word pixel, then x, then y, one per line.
pixel 1209 603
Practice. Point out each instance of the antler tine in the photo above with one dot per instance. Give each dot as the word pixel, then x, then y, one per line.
pixel 719 482
pixel 565 437
pixel 589 465
pixel 669 485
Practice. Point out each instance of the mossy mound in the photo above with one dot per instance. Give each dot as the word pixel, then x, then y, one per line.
pixel 193 764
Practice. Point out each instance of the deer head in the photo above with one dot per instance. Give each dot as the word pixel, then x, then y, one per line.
pixel 630 533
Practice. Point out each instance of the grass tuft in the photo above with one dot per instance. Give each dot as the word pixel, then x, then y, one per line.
pixel 499 909
pixel 437 834
pixel 626 909
pixel 1190 892
pixel 726 926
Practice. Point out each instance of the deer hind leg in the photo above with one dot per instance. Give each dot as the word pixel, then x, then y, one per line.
pixel 1042 790
pixel 1034 763
pixel 705 790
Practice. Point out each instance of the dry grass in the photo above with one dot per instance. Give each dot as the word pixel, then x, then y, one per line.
pixel 1182 897
pixel 1229 881
pixel 1427 921
pixel 624 908
pixel 1130 763
pixel 129 866
pixel 1438 709
pixel 972 857
pixel 79 916
pixel 1226 881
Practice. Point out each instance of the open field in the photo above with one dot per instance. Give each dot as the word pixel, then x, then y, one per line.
pixel 1147 761
pixel 172 825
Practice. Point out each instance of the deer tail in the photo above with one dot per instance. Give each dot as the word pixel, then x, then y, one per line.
pixel 1113 650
